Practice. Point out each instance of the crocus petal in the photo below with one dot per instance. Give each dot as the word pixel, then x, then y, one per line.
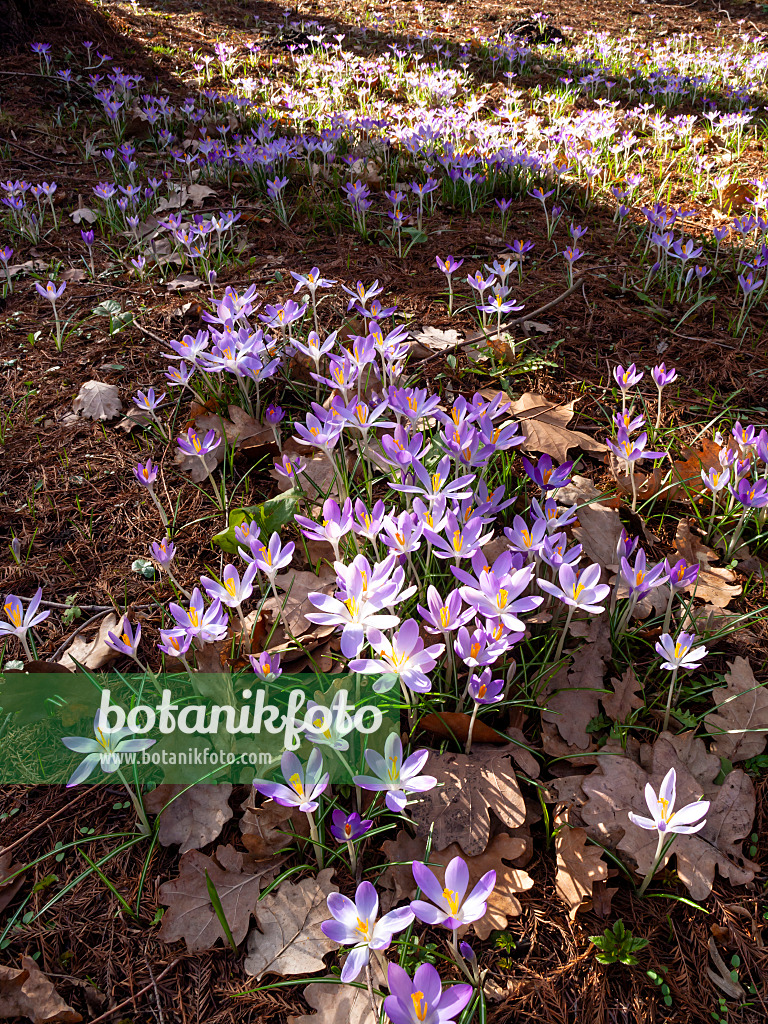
pixel 83 770
pixel 428 913
pixel 355 962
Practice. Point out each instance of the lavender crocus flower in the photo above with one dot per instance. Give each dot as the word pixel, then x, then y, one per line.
pixel 449 905
pixel 355 924
pixel 302 787
pixel 348 828
pixel 394 776
pixel 423 1000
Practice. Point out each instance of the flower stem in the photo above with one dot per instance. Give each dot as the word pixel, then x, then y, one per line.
pixel 561 641
pixel 654 866
pixel 669 699
pixel 471 727
pixel 315 839
pixel 144 826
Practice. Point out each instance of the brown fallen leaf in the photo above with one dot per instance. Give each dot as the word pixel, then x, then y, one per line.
pixel 98 401
pixel 239 429
pixel 288 939
pixel 625 697
pixel 572 696
pixel 617 786
pixel 28 993
pixel 267 829
pixel 190 914
pixel 296 587
pixel 598 532
pixel 468 788
pixel 545 425
pixel 340 1004
pixel 93 654
pixel 714 584
pixel 502 903
pixel 579 865
pixel 8 889
pixel 195 818
pixel 455 724
pixel 739 722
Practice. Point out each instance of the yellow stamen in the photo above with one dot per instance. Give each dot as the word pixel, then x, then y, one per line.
pixel 295 781
pixel 452 899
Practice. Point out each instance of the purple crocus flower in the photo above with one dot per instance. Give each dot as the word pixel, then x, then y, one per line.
pixel 484 690
pixel 393 775
pixel 580 590
pixel 192 445
pixel 164 552
pixel 423 1001
pixel 546 475
pixel 640 579
pixel 206 624
pixel 450 907
pixel 663 376
pixel 681 574
pixel 444 616
pixel 355 924
pixel 402 659
pixel 128 641
pixel 302 787
pixel 146 473
pixel 266 666
pixel 51 292
pixel 627 378
pixel 751 494
pixel 348 828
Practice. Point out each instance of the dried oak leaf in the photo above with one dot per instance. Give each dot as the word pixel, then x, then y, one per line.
pixel 579 865
pixel 190 915
pixel 268 829
pixel 455 725
pixel 288 939
pixel 714 584
pixel 98 401
pixel 598 532
pixel 502 903
pixel 468 788
pixel 8 889
pixel 545 425
pixel 625 696
pixel 195 818
pixel 93 654
pixel 340 1004
pixel 30 994
pixel 617 786
pixel 572 696
pixel 295 604
pixel 739 722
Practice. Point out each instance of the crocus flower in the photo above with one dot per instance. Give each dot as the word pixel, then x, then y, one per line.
pixel 302 786
pixel 751 494
pixel 193 445
pixel 164 552
pixel 128 641
pixel 272 557
pixel 627 378
pixel 423 1001
pixel 580 590
pixel 393 776
pixel 19 620
pixel 639 579
pixel 681 574
pixel 266 666
pixel 450 907
pixel 51 292
pixel 680 653
pixel 548 476
pixel 206 624
pixel 402 659
pixel 347 828
pixel 175 643
pixel 500 598
pixel 106 750
pixel 336 523
pixel 146 473
pixel 355 924
pixel 686 821
pixel 484 690
pixel 233 591
pixel 444 616
pixel 663 376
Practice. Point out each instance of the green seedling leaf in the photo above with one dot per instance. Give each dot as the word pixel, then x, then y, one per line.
pixel 269 517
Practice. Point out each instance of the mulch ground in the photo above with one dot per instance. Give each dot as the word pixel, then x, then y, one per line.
pixel 67 492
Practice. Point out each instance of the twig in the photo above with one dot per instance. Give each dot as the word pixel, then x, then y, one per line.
pixel 160 1013
pixel 39 156
pixel 67 806
pixel 511 323
pixel 149 334
pixel 68 642
pixel 131 999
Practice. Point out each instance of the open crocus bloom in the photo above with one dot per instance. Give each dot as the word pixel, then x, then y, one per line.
pixel 355 923
pixel 451 908
pixel 302 788
pixel 685 821
pixel 423 1001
